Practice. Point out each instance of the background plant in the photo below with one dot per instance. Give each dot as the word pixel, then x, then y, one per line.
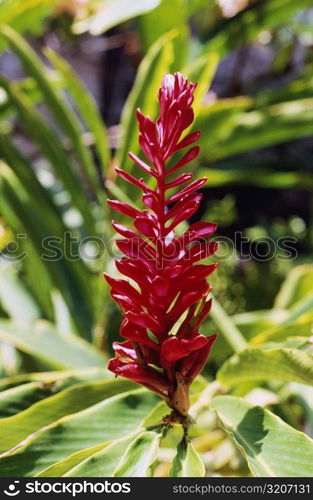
pixel 57 159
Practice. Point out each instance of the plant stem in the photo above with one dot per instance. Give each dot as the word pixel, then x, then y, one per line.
pixel 228 329
pixel 205 398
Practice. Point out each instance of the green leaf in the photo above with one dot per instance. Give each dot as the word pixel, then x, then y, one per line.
pixel 14 430
pixel 301 311
pixel 301 328
pixel 108 420
pixel 195 5
pixel 255 322
pixel 22 202
pixel 286 365
pixel 86 105
pixel 63 466
pixel 229 330
pixel 27 86
pixel 139 456
pixel 303 395
pixel 271 447
pixel 244 26
pixel 202 71
pixel 55 102
pixel 19 398
pixel 111 13
pixel 67 377
pixel 257 128
pixel 166 17
pixel 297 88
pixel 16 300
pixel 44 343
pixel 21 391
pixel 301 343
pixel 186 462
pixel 24 16
pixel 261 178
pixel 51 147
pixel 297 286
pixel 101 463
pixel 218 120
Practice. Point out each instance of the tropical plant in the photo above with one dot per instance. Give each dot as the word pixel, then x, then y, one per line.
pixel 62 412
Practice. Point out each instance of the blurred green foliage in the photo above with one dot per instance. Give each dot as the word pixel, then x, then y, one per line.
pixel 55 310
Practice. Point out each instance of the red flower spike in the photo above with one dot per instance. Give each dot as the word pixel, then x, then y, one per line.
pixel 158 353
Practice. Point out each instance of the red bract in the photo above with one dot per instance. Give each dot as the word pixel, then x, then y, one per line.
pixel 164 309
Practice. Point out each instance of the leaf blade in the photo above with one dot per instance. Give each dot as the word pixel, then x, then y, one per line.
pixel 272 448
pixel 139 456
pixel 286 365
pixel 186 462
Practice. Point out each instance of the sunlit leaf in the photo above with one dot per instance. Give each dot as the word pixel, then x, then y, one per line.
pixel 112 13
pixel 108 420
pixel 43 342
pixel 287 365
pixel 101 463
pixel 186 462
pixel 14 430
pixel 271 447
pixel 139 456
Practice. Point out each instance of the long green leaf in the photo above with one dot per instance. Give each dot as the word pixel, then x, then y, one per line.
pixel 67 464
pixel 21 391
pixel 28 16
pixel 51 147
pixel 286 365
pixel 271 447
pixel 303 395
pixel 297 286
pixel 186 462
pixel 72 377
pixel 255 322
pixel 14 430
pixel 86 105
pixel 255 129
pixel 302 327
pixel 111 13
pixel 55 102
pixel 260 178
pixel 17 399
pixel 166 17
pixel 43 342
pixel 139 456
pixel 202 71
pixel 111 419
pixel 16 300
pixel 229 330
pixel 99 463
pixel 23 213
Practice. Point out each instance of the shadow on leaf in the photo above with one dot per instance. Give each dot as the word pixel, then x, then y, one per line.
pixel 251 430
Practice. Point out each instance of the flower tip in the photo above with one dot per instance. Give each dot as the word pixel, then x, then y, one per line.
pixel 168 80
pixel 139 113
pixel 213 338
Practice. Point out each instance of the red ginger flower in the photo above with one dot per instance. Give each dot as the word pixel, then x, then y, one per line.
pixel 164 351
